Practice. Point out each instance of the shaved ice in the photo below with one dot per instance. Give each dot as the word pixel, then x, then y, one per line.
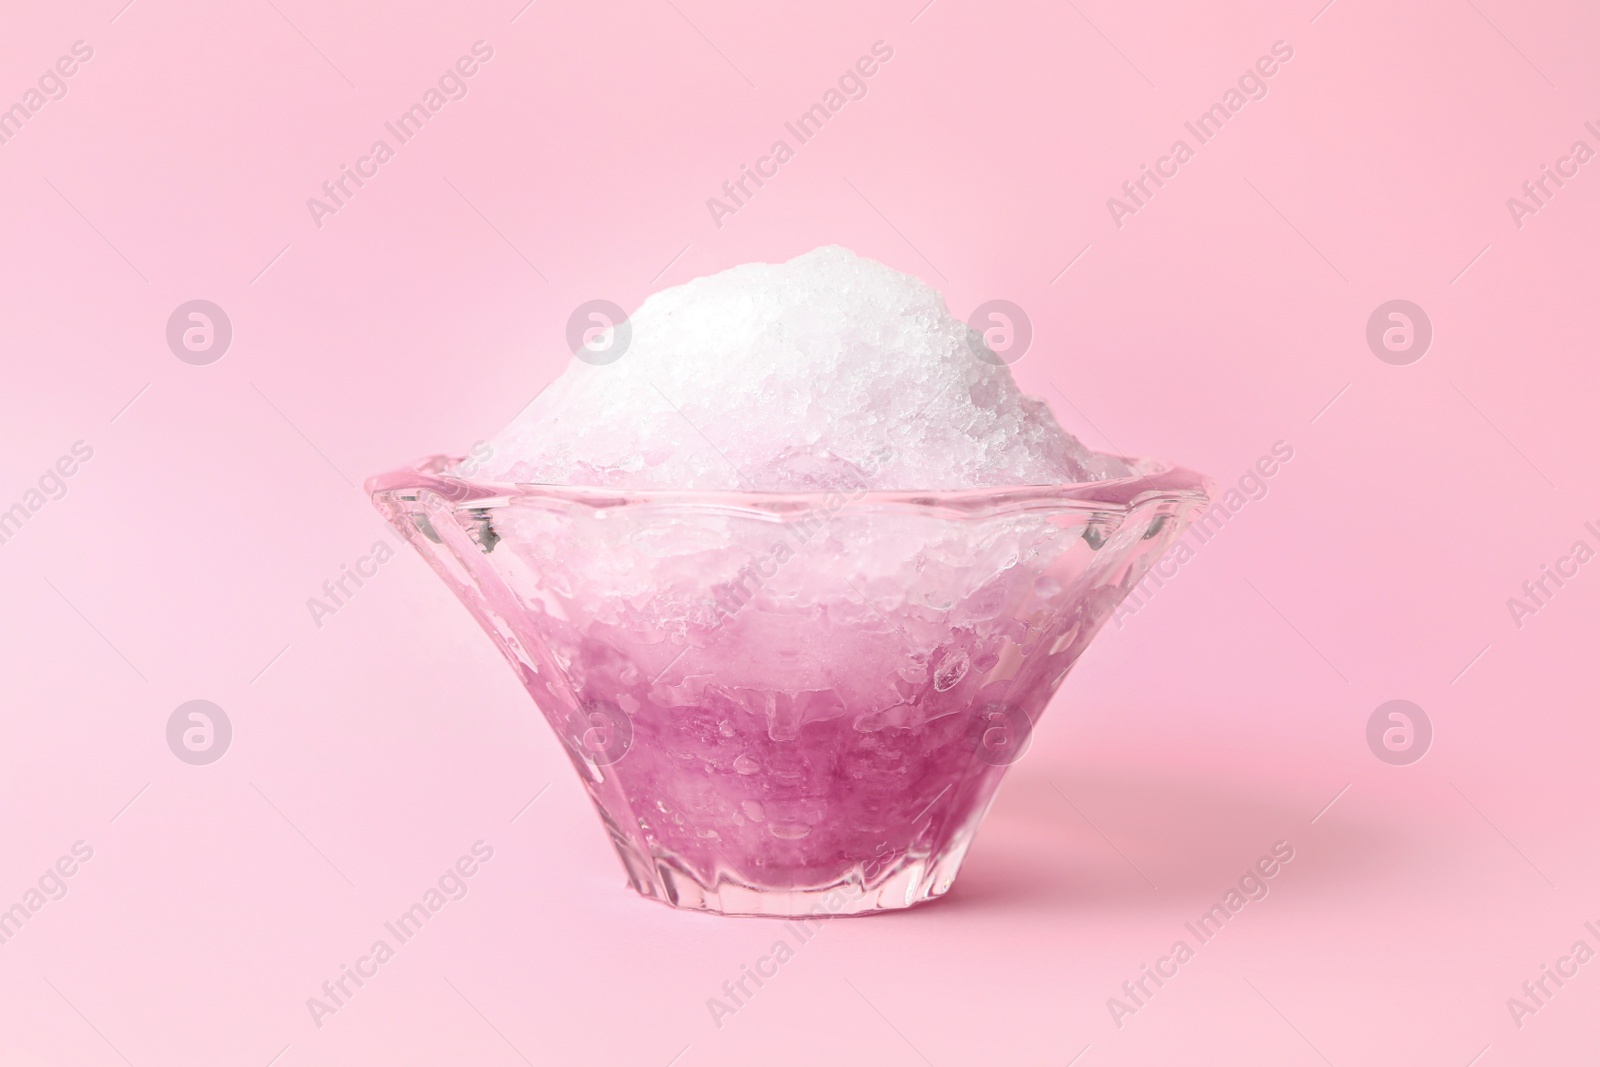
pixel 793 377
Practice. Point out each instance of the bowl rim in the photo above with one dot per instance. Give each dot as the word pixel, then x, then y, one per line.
pixel 1152 481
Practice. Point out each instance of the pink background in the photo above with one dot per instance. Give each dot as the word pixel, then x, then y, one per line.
pixel 1224 316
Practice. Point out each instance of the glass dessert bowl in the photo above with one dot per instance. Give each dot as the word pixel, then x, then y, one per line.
pixel 791 703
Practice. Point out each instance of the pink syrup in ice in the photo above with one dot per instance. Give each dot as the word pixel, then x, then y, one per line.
pixel 770 699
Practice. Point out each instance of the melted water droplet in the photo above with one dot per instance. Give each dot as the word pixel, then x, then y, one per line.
pixel 952 668
pixel 754 810
pixel 746 765
pixel 789 831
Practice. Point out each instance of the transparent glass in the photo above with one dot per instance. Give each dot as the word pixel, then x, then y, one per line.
pixel 791 703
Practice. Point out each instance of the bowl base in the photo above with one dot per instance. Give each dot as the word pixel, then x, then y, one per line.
pixel 912 881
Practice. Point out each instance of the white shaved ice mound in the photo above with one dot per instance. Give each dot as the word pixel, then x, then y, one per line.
pixel 828 369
